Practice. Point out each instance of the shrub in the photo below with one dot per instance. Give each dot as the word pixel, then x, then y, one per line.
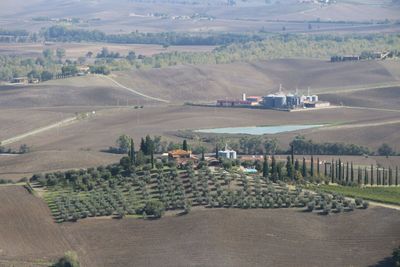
pixel 351 207
pixel 396 256
pixel 310 206
pixel 358 201
pixel 326 209
pixel 154 208
pixel 365 205
pixel 70 259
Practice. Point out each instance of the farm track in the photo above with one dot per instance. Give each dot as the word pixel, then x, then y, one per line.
pixel 17 138
pixel 134 91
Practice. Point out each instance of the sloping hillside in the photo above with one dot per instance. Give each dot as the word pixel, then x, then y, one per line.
pixel 209 82
pixel 27 233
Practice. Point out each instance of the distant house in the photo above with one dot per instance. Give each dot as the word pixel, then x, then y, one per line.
pixel 19 80
pixel 227 153
pixel 179 154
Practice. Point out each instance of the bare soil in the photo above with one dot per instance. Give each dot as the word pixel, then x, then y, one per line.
pixel 241 238
pixel 27 233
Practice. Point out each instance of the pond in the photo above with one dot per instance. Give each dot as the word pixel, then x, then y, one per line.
pixel 259 130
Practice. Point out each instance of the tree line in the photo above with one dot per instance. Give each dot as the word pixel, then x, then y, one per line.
pixel 64 34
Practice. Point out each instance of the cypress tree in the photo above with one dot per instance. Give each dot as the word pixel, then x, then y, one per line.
pixel 274 169
pixel 318 167
pixel 304 169
pixel 185 145
pixel 397 176
pixel 265 167
pixel 336 171
pixel 340 170
pixel 347 172
pixel 365 176
pixel 372 175
pixel 312 167
pixel 383 176
pixel 351 172
pixel 332 170
pixel 216 151
pixel 132 152
pixel 143 146
pixel 292 152
pixel 289 168
pixel 325 170
pixel 279 170
pixel 149 146
pixel 390 176
pixel 378 176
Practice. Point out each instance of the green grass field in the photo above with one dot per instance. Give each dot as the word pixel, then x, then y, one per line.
pixel 390 195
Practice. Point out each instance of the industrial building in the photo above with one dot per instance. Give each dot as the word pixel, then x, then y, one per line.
pixel 280 101
pixel 227 153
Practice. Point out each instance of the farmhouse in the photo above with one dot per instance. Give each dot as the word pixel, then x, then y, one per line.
pixel 19 80
pixel 179 154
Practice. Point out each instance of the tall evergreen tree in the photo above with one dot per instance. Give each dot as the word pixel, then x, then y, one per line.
pixel 318 168
pixel 372 175
pixel 292 152
pixel 132 152
pixel 304 168
pixel 397 176
pixel 340 170
pixel 365 176
pixel 384 176
pixel 347 172
pixel 274 170
pixel 143 146
pixel 390 176
pixel 352 172
pixel 216 151
pixel 185 145
pixel 332 172
pixel 325 170
pixel 265 167
pixel 289 168
pixel 149 147
pixel 312 167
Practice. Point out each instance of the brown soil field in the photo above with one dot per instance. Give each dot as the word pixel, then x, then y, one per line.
pixel 240 238
pixel 78 91
pixel 75 50
pixel 372 98
pixel 127 16
pixel 84 139
pixel 218 237
pixel 17 121
pixel 210 82
pixel 16 167
pixel 28 234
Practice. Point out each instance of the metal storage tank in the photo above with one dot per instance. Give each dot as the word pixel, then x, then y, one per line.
pixel 268 101
pixel 292 100
pixel 279 101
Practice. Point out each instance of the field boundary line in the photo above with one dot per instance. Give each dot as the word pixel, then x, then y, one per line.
pixel 354 88
pixel 134 91
pixel 39 130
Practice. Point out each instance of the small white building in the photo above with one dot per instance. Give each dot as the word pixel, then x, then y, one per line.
pixel 227 153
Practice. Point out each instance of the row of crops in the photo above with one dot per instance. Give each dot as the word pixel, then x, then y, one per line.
pixel 180 189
